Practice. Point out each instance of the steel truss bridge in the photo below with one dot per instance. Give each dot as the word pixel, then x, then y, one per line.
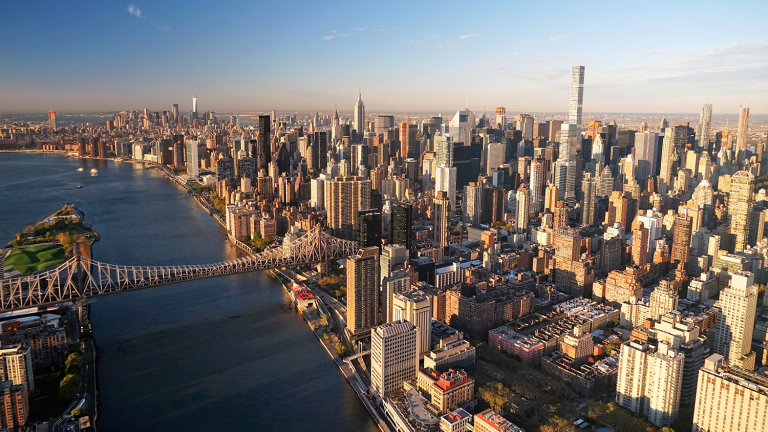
pixel 82 278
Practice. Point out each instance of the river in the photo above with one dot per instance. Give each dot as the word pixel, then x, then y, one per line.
pixel 227 353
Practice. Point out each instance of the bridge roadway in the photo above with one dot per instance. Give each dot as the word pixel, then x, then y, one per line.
pixel 82 278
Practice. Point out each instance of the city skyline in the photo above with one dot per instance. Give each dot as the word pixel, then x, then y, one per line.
pixel 137 54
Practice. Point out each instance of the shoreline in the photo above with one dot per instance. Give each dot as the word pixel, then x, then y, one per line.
pixel 175 179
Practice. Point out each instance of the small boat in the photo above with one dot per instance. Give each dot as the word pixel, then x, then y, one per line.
pixel 79 186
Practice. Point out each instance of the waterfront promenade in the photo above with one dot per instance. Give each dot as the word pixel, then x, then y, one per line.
pixel 337 313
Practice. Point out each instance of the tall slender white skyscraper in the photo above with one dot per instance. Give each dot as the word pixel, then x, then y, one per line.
pixel 194 104
pixel 577 95
pixel 445 180
pixel 741 136
pixel 359 114
pixel 702 130
pixel 667 150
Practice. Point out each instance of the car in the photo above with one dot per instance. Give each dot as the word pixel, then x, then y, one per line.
pixel 584 425
pixel 578 422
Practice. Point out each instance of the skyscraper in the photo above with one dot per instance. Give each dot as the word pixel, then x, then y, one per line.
pixel 617 210
pixel 683 335
pixel 442 213
pixel 445 181
pixel 740 206
pixel 566 168
pixel 702 129
pixel 741 136
pixel 667 159
pixel 16 365
pixel 394 356
pixel 416 307
pixel 649 381
pixel 194 106
pixel 359 120
pixel 525 124
pixel 368 230
pixel 363 290
pixel 664 299
pixel 589 186
pixel 501 118
pixel 732 334
pixel 175 112
pixel 401 224
pixel 645 154
pixel 345 196
pixel 193 162
pixel 640 245
pixel 265 143
pixel 523 208
pixel 537 185
pixel 52 119
pixel 577 96
pixel 473 203
pixel 730 399
pixel 681 240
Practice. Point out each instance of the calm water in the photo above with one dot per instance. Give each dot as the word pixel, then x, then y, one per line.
pixel 218 354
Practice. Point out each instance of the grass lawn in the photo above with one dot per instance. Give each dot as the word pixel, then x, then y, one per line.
pixel 35 258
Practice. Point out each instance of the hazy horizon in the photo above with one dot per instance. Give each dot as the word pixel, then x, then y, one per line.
pixel 240 56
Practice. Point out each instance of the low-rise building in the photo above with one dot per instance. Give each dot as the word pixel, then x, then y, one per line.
pixel 490 421
pixel 453 355
pixel 446 390
pixel 455 421
pixel 528 350
pixel 599 315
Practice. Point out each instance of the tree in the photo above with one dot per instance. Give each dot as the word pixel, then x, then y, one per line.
pixel 557 424
pixel 75 359
pixel 341 350
pixel 611 347
pixel 68 386
pixel 496 395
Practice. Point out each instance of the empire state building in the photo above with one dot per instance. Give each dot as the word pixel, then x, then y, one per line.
pixel 359 115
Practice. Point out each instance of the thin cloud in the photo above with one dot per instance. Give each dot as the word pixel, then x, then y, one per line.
pixel 558 37
pixel 329 37
pixel 360 29
pixel 526 72
pixel 134 10
pixel 561 56
pixel 333 31
pixel 467 36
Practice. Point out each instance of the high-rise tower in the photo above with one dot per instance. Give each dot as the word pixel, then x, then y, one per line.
pixel 740 206
pixel 363 290
pixel 359 114
pixel 501 118
pixel 702 130
pixel 577 95
pixel 265 142
pixel 442 216
pixel 732 334
pixel 52 119
pixel 667 152
pixel 741 136
pixel 194 105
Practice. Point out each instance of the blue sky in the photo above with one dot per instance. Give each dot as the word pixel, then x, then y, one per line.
pixel 415 56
